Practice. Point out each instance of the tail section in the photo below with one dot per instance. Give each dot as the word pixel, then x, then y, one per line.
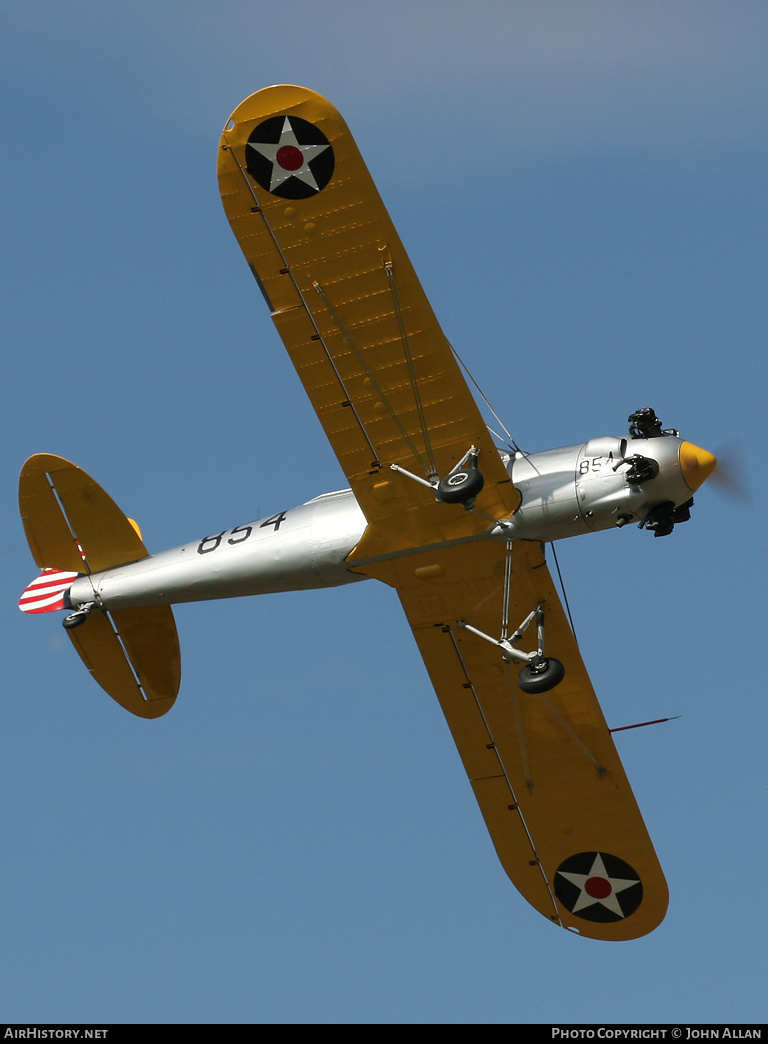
pixel 134 656
pixel 48 592
pixel 70 521
pixel 73 528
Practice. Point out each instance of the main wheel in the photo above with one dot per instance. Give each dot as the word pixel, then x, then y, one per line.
pixel 542 676
pixel 460 486
pixel 74 619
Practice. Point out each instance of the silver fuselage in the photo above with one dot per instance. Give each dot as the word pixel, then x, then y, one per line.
pixel 565 492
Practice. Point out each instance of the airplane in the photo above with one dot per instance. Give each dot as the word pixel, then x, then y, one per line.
pixel 434 509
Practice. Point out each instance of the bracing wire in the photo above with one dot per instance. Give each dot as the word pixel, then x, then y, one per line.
pixel 510 441
pixel 389 269
pixel 371 375
pixel 513 445
pixel 562 588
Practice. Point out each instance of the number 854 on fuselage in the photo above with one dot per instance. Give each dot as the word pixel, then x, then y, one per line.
pixel 605 483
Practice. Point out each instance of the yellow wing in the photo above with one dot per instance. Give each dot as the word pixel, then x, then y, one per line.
pixel 385 384
pixel 354 318
pixel 544 768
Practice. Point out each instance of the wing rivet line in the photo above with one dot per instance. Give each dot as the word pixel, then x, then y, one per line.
pixel 249 186
pixel 369 374
pixel 515 805
pixel 432 471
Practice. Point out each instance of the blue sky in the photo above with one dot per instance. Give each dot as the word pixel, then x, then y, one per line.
pixel 581 187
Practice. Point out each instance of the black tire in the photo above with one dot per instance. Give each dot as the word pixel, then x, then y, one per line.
pixel 541 677
pixel 460 486
pixel 74 620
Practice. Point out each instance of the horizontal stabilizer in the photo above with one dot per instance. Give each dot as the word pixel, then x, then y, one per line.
pixel 134 656
pixel 69 520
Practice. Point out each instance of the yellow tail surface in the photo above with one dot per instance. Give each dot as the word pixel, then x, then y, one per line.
pixel 72 524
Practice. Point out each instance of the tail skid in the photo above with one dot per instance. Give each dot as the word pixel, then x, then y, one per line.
pixel 69 520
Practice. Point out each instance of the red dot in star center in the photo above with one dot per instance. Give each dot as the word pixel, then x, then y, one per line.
pixel 289 157
pixel 598 887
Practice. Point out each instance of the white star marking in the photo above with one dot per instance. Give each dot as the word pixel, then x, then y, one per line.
pixel 279 173
pixel 615 884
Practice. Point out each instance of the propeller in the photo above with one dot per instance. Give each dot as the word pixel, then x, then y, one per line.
pixel 730 478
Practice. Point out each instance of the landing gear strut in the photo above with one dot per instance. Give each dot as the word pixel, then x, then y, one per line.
pixel 540 673
pixel 460 486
